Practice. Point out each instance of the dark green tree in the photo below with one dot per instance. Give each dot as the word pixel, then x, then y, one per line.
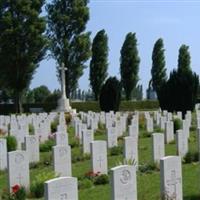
pixel 22 44
pixel 158 70
pixel 110 96
pixel 41 93
pixel 29 97
pixel 129 64
pixel 179 93
pixel 99 63
pixel 184 59
pixel 69 43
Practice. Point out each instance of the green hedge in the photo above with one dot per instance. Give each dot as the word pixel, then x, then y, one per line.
pixel 85 106
pixel 125 105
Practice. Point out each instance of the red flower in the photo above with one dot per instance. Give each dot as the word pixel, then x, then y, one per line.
pixel 15 188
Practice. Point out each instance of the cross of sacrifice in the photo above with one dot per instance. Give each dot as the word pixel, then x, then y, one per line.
pixel 63 87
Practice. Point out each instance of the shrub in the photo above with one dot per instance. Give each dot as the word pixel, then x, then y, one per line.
pixel 177 124
pixel 74 142
pixel 101 180
pixel 191 157
pixel 78 158
pixel 148 168
pixel 47 146
pixel 37 186
pixel 11 143
pixel 114 151
pixel 110 95
pixel 85 183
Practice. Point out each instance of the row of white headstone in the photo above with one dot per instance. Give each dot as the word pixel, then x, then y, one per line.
pixel 124 182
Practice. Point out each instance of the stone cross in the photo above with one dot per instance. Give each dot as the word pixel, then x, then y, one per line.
pixel 63 87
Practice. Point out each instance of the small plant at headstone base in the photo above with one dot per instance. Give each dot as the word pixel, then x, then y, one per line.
pixel 11 143
pixel 120 138
pixel 18 193
pixel 177 124
pixel 34 165
pixel 101 179
pixel 77 157
pixel 74 142
pixel 148 168
pixel 127 162
pixel 47 145
pixel 54 125
pixel 37 186
pixel 145 134
pixel 31 129
pixel 191 157
pixel 116 150
pixel 46 159
pixel 110 95
pixel 85 184
pixel 68 118
pixel 86 156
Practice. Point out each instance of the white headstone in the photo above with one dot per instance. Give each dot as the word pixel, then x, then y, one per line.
pixel 61 139
pixel 123 183
pixel 171 178
pixel 32 148
pixel 181 143
pixel 133 130
pixel 87 137
pixel 62 160
pixel 18 169
pixel 169 131
pixel 131 149
pixel 158 147
pixel 3 154
pixel 111 137
pixel 99 156
pixel 149 124
pixel 63 188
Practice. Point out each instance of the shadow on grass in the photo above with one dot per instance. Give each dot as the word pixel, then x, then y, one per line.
pixel 194 197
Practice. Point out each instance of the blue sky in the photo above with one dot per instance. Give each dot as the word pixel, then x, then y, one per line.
pixel 177 22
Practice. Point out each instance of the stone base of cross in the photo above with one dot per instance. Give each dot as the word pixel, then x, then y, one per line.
pixel 63 105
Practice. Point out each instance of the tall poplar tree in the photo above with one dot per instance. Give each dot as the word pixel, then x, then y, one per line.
pixel 158 70
pixel 99 63
pixel 22 44
pixel 129 64
pixel 69 43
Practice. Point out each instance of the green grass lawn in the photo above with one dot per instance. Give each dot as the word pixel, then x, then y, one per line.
pixel 148 183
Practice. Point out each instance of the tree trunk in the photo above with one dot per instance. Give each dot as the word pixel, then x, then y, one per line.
pixel 18 102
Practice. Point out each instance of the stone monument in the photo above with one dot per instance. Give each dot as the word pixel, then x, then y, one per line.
pixel 63 102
